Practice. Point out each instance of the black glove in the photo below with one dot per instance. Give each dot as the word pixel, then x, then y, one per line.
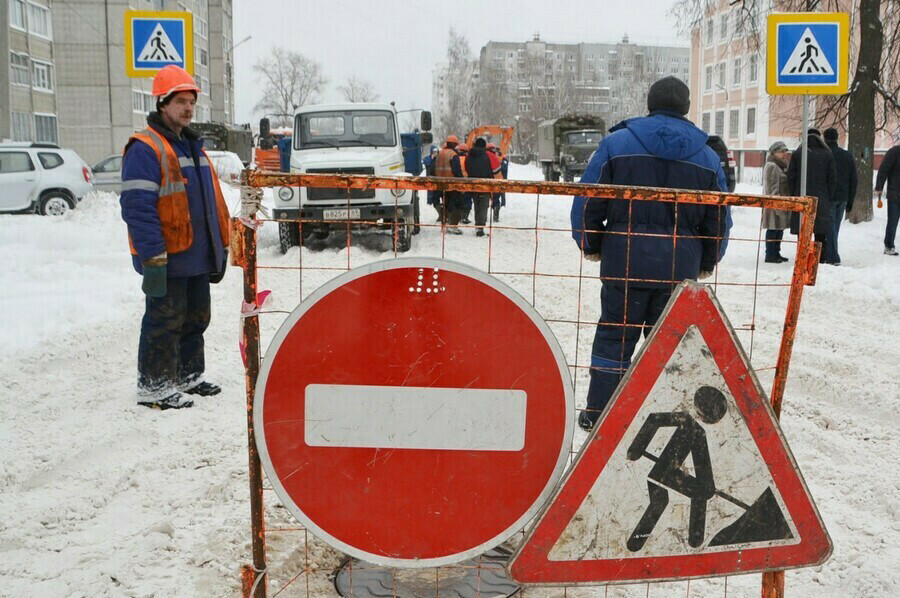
pixel 154 284
pixel 216 277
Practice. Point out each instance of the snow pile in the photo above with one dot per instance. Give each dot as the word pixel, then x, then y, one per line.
pixel 101 498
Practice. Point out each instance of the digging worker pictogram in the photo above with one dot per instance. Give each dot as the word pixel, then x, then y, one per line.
pixel 688 440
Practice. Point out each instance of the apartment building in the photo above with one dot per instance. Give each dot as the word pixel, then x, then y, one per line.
pixel 728 84
pixel 67 81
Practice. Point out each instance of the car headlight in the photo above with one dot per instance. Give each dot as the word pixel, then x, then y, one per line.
pixel 285 193
pixel 568 158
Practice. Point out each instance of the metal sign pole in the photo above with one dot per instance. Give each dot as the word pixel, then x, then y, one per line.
pixel 805 145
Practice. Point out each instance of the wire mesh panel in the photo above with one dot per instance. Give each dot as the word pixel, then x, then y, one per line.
pixel 531 248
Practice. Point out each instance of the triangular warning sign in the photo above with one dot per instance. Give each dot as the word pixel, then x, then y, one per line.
pixel 159 48
pixel 686 475
pixel 807 58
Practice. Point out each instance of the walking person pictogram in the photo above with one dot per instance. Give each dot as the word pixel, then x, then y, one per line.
pixel 808 57
pixel 158 48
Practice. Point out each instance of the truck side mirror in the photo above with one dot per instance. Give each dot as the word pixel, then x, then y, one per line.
pixel 426 138
pixel 264 128
pixel 425 121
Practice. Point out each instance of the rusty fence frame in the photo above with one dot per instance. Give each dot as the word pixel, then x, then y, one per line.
pixel 254 579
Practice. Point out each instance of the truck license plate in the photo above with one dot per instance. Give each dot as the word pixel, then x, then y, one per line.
pixel 342 214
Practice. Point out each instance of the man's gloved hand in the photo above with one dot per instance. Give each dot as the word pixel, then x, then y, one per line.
pixel 592 257
pixel 704 274
pixel 154 284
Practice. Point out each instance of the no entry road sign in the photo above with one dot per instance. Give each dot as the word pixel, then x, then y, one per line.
pixel 414 412
pixel 686 475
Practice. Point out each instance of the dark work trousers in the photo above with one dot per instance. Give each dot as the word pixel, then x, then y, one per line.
pixel 453 207
pixel 171 346
pixel 826 240
pixel 614 343
pixel 837 214
pixel 773 241
pixel 482 201
pixel 890 231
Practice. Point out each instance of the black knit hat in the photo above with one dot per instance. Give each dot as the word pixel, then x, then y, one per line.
pixel 831 134
pixel 669 93
pixel 480 142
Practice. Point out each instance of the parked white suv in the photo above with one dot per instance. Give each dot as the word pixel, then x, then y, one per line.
pixel 42 178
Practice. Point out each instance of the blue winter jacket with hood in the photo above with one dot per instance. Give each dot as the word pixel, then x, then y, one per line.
pixel 659 150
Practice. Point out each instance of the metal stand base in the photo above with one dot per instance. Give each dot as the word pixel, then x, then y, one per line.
pixel 481 576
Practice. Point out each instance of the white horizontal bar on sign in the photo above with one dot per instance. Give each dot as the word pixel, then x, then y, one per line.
pixel 411 417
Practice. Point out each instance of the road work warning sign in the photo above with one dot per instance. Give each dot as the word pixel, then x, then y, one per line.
pixel 687 473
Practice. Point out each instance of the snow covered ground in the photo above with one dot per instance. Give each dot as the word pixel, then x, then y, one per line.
pixel 102 498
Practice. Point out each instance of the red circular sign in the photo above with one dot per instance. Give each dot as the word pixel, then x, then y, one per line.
pixel 414 412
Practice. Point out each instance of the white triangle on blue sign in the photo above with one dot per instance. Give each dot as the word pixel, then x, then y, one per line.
pixel 159 48
pixel 807 58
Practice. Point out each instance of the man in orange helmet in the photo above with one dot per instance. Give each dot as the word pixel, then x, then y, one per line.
pixel 178 229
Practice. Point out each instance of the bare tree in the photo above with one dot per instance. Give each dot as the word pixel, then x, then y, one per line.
pixel 463 95
pixel 358 90
pixel 873 102
pixel 290 80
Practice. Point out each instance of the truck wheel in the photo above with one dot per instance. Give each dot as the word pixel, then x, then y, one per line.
pixel 567 176
pixel 402 236
pixel 554 175
pixel 416 229
pixel 288 235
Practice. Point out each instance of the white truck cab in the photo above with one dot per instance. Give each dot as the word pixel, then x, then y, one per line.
pixel 359 139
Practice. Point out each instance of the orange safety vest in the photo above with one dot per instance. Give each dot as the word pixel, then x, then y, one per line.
pixel 462 165
pixel 442 166
pixel 174 212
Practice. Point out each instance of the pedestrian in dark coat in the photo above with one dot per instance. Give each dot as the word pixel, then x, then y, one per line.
pixel 455 201
pixel 889 172
pixel 844 190
pixel 434 198
pixel 821 178
pixel 661 150
pixel 479 165
pixel 775 182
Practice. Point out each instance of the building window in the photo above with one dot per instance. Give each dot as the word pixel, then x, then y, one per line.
pixel 202 57
pixel 705 122
pixel 751 121
pixel 721 74
pixel 736 72
pixel 751 69
pixel 710 32
pixel 137 101
pixel 723 26
pixel 18 65
pixel 734 124
pixel 149 102
pixel 39 21
pixel 45 128
pixel 17 14
pixel 709 78
pixel 21 126
pixel 43 76
pixel 720 123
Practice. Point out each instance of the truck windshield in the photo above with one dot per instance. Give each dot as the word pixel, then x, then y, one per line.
pixel 346 128
pixel 584 137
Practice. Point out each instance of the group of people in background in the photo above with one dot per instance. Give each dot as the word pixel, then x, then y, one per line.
pixel 831 177
pixel 483 161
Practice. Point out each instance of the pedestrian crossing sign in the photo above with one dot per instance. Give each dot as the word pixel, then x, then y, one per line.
pixel 808 53
pixel 154 39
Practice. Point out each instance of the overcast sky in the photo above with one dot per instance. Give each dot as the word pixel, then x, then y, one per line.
pixel 395 44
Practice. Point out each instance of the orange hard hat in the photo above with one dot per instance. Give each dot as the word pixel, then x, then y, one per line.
pixel 172 79
pixel 452 139
pixel 462 147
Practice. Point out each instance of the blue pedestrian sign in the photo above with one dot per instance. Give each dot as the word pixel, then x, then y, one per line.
pixel 157 39
pixel 808 53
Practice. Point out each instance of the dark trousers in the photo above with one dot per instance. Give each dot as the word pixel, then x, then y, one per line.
pixel 837 215
pixel 614 343
pixel 171 346
pixel 826 240
pixel 481 201
pixel 890 231
pixel 773 242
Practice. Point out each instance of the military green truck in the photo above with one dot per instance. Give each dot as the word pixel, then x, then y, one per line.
pixel 565 144
pixel 227 138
